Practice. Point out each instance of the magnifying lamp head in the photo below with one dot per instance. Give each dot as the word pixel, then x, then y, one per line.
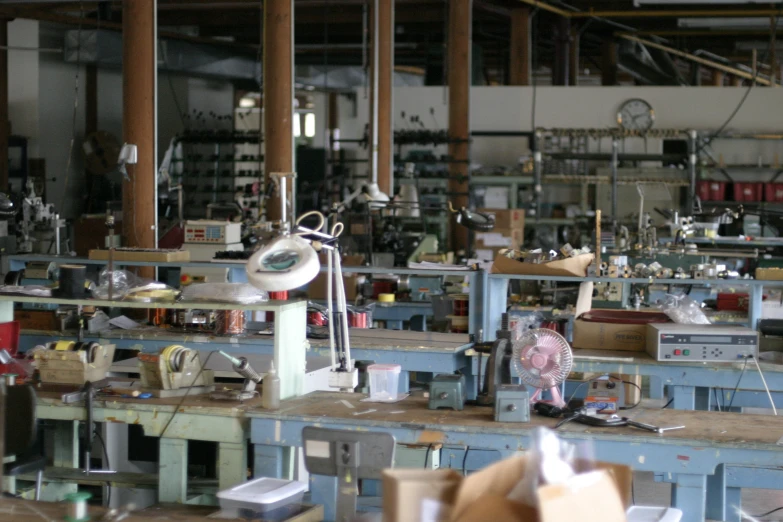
pixel 286 263
pixel 376 198
pixel 477 221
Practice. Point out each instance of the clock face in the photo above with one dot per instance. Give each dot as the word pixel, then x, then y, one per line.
pixel 636 114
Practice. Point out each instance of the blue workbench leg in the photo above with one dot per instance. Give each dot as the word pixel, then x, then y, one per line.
pixel 232 464
pixel 273 461
pixel 733 504
pixel 404 382
pixel 656 387
pixel 323 490
pixel 173 471
pixel 716 494
pixel 703 398
pixel 689 494
pixel 684 397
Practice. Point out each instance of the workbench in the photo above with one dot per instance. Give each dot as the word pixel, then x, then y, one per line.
pixel 199 418
pixel 14 510
pixel 698 454
pixel 414 351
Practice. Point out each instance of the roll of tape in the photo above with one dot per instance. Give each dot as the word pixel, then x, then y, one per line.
pixel 385 298
pixel 64 346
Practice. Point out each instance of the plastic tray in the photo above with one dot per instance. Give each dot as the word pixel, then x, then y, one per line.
pixel 262 494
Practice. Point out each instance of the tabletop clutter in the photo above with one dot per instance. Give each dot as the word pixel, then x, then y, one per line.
pixel 554 481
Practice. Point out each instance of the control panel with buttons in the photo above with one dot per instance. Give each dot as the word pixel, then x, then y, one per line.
pixel 705 343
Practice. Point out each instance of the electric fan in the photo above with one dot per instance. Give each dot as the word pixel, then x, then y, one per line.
pixel 543 360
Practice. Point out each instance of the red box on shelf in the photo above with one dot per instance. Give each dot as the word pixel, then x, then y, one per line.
pixel 773 192
pixel 712 190
pixel 748 191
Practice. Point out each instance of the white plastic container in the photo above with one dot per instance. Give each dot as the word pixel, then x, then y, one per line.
pixel 653 514
pixel 384 381
pixel 262 495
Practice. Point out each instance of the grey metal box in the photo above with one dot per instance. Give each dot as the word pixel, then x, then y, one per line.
pixel 447 391
pixel 512 403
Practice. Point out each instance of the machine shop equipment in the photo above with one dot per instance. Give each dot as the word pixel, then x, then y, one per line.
pixel 511 403
pixel 39 226
pixel 498 369
pixel 71 362
pixel 252 378
pixel 673 342
pixel 173 372
pixel 447 391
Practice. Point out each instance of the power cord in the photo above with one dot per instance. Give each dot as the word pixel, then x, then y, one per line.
pixel 734 393
pixel 764 382
pixel 465 462
pixel 108 465
pixel 768 513
pixel 176 410
pixel 427 455
pixel 668 403
pixel 717 402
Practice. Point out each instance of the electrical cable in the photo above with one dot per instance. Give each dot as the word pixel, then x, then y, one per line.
pixel 465 461
pixel 427 454
pixel 176 410
pixel 734 393
pixel 768 512
pixel 747 91
pixel 764 381
pixel 667 404
pixel 108 465
pixel 717 402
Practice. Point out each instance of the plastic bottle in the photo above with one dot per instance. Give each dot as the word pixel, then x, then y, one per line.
pixel 270 389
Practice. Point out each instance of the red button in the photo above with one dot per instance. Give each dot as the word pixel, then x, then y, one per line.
pixel 677 352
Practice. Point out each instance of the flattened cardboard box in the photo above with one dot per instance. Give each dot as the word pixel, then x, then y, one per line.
pixel 573 266
pixel 444 495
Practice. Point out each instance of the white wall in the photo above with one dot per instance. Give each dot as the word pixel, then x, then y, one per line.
pixel 23 82
pixel 510 108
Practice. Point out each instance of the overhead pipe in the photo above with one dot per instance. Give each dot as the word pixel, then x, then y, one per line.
pixel 696 59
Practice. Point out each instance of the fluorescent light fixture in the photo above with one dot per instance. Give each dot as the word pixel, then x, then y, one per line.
pixel 247 103
pixel 297 126
pixel 725 23
pixel 638 3
pixel 309 125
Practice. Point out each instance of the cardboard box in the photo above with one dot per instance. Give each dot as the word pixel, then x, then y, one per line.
pixel 506 218
pixel 769 274
pixel 573 266
pixel 130 254
pixel 609 336
pixel 600 493
pixel 500 238
pixel 416 494
pixel 317 287
pixel 37 320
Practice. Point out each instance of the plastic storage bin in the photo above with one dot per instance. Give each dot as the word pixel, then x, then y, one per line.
pixel 711 190
pixel 384 381
pixel 261 495
pixel 773 192
pixel 748 191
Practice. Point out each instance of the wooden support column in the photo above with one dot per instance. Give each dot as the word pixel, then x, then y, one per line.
pixel 5 123
pixel 459 75
pixel 385 96
pixel 519 59
pixel 138 122
pixel 278 95
pixel 609 63
pixel 717 78
pixel 573 58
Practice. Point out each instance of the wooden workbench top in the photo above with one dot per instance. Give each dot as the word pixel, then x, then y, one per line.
pixel 729 429
pixel 192 403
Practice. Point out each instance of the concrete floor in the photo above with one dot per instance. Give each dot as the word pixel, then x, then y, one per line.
pixel 754 501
